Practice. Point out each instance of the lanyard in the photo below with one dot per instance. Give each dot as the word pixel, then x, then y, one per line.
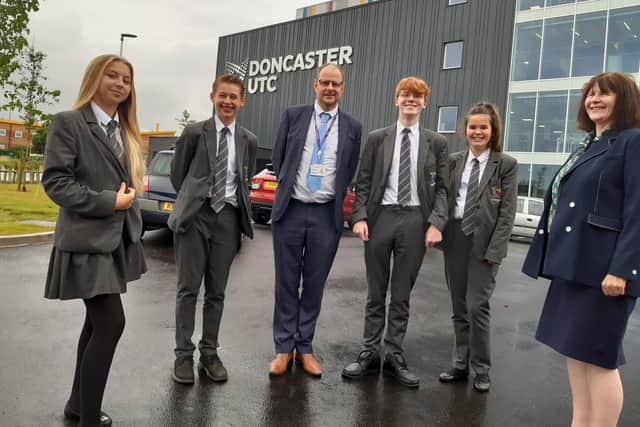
pixel 322 141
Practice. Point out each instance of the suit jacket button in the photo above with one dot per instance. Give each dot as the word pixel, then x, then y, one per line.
pixel 541 231
pixel 572 204
pixel 567 229
pixel 634 272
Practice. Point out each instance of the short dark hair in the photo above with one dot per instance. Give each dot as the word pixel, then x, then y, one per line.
pixel 231 79
pixel 626 111
pixel 328 64
pixel 495 142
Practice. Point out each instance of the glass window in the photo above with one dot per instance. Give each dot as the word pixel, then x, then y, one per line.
pixel 536 207
pixel 520 205
pixel 552 110
pixel 530 4
pixel 522 107
pixel 574 135
pixel 541 178
pixel 559 2
pixel 523 180
pixel 452 55
pixel 623 49
pixel 160 165
pixel 588 45
pixel 3 132
pixel 526 56
pixel 455 2
pixel 447 118
pixel 18 134
pixel 556 47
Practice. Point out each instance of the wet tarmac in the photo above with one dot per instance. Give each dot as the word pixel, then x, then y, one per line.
pixel 38 339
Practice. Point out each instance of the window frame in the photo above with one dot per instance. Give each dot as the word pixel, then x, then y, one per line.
pixel 444 108
pixel 444 55
pixel 18 134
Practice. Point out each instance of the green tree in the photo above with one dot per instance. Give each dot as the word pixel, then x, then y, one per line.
pixel 184 119
pixel 14 18
pixel 39 136
pixel 25 93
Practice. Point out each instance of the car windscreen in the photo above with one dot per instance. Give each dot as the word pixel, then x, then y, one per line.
pixel 160 165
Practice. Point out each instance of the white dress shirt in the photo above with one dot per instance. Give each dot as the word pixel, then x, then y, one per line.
pixel 104 119
pixel 391 191
pixel 232 164
pixel 461 199
pixel 327 190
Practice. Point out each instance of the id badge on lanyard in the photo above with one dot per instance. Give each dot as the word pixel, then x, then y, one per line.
pixel 318 169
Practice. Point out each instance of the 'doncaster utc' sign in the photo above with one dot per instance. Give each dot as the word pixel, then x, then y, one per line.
pixel 262 76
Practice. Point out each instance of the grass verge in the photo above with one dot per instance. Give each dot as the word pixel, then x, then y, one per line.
pixel 16 206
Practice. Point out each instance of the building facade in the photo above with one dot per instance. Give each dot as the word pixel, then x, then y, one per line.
pixel 13 134
pixel 460 48
pixel 557 47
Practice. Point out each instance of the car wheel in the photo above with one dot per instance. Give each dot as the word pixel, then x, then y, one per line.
pixel 261 219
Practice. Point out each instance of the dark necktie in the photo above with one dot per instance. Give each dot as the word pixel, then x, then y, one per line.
pixel 220 178
pixel 112 127
pixel 404 170
pixel 468 224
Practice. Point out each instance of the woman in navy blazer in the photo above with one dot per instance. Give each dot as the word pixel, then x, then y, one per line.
pixel 587 243
pixel 93 168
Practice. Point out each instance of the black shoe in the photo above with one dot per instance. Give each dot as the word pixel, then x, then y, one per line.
pixel 213 368
pixel 482 383
pixel 454 375
pixel 396 366
pixel 368 363
pixel 183 370
pixel 105 420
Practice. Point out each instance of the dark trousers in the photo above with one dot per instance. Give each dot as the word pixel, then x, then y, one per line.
pixel 305 242
pixel 397 232
pixel 206 249
pixel 103 326
pixel 471 282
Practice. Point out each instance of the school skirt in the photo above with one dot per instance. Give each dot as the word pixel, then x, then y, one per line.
pixel 79 275
pixel 580 322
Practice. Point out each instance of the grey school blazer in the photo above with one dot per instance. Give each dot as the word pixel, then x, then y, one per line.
pixel 82 174
pixel 497 200
pixel 194 159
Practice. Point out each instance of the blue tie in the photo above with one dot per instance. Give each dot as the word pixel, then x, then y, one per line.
pixel 313 182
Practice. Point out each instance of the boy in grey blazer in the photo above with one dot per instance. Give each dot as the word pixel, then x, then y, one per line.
pixel 212 167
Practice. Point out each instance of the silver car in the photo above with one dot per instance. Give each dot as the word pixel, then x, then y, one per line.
pixel 527 216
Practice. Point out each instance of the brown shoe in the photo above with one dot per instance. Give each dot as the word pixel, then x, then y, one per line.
pixel 310 365
pixel 280 364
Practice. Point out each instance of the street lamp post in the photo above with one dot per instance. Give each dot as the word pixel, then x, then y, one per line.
pixel 122 36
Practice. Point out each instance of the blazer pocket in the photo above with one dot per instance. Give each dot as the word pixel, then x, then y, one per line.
pixel 613 224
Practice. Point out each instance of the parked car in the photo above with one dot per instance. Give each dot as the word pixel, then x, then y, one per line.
pixel 263 192
pixel 158 199
pixel 528 214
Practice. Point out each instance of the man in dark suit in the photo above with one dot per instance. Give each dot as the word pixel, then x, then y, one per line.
pixel 213 164
pixel 400 208
pixel 315 156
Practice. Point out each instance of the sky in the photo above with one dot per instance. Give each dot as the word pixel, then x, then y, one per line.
pixel 174 56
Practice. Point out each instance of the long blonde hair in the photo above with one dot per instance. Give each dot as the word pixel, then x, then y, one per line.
pixel 126 113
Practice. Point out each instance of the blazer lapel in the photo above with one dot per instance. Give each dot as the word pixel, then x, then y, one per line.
pixel 594 151
pixel 210 134
pixel 388 147
pixel 423 150
pixel 492 165
pixel 342 141
pixel 461 160
pixel 301 129
pixel 241 148
pixel 100 135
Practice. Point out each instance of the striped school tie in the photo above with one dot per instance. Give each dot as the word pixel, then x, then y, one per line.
pixel 220 179
pixel 468 224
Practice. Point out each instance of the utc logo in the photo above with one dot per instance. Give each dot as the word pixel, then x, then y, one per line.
pixel 239 70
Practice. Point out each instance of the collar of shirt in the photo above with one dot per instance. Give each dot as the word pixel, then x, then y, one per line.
pixel 482 158
pixel 415 129
pixel 318 110
pixel 220 125
pixel 102 117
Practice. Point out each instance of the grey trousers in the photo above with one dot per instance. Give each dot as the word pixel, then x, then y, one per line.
pixel 398 232
pixel 471 282
pixel 206 249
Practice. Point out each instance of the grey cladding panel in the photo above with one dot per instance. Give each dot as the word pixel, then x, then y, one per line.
pixel 390 40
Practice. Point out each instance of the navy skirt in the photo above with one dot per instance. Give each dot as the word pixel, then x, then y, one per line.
pixel 580 322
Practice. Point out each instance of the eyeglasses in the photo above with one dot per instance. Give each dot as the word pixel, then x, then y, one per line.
pixel 327 83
